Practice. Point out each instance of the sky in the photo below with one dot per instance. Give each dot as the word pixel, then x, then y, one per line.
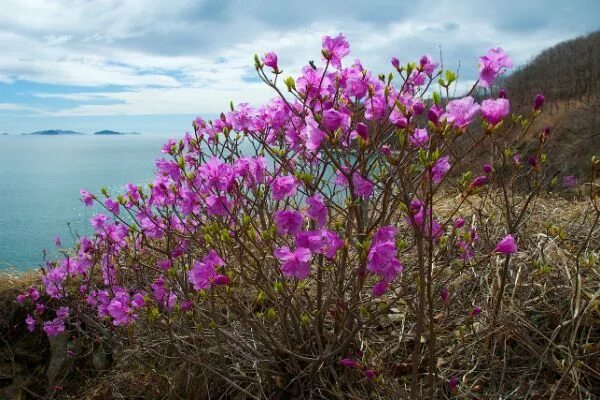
pixel 152 66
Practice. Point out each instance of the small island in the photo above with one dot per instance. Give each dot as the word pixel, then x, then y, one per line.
pixel 54 132
pixel 109 133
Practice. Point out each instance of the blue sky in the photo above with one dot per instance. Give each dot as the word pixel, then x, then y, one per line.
pixel 152 66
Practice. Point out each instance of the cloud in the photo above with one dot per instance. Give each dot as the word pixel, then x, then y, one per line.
pixel 193 57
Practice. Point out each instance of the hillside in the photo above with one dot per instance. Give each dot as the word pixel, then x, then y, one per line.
pixel 568 75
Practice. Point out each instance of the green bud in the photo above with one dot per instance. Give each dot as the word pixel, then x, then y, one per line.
pixel 290 83
pixel 271 314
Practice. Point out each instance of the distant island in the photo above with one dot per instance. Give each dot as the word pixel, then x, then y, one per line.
pixel 57 132
pixel 108 132
pixel 53 132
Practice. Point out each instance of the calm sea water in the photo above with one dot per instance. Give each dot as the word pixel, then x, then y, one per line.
pixel 40 178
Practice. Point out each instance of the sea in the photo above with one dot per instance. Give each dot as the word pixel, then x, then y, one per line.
pixel 40 179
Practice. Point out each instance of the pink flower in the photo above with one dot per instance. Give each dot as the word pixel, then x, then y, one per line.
pixel 322 241
pixel 187 305
pixel 494 111
pixel 475 312
pixel 435 114
pixel 288 221
pixel 491 65
pixel 427 65
pixel 314 136
pixel 382 258
pixel 440 169
pixel 362 187
pixel 119 312
pixel 112 206
pixel 380 288
pixel 270 60
pixel 57 241
pixel 462 111
pixel 138 300
pixel 362 130
pixel 507 245
pixel 333 119
pixel 87 197
pixel 295 264
pixel 334 49
pixel 98 221
pixel 487 168
pixel 54 327
pixel 395 62
pixel 284 186
pixel 30 321
pixel 317 210
pixel 203 273
pixel 419 138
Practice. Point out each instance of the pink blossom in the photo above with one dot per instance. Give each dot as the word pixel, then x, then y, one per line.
pixel 334 49
pixel 380 288
pixel 321 241
pixel 284 186
pixel 461 112
pixel 435 114
pixel 112 206
pixel 288 221
pixel 203 273
pixel 507 245
pixel 491 65
pixel 333 119
pixel 54 327
pixel 419 138
pixel 295 264
pixel 270 60
pixel 440 169
pixel 30 321
pixel 317 210
pixel 88 198
pixel 427 65
pixel 362 187
pixel 494 111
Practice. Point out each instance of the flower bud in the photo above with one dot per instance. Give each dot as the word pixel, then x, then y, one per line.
pixel 538 102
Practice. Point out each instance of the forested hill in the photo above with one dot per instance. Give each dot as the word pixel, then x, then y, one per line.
pixel 568 75
pixel 567 72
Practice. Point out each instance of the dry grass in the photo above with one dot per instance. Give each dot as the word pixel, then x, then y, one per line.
pixel 545 342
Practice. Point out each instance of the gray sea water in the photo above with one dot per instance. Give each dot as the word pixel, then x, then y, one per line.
pixel 40 179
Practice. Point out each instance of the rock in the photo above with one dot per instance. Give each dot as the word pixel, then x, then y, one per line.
pixel 58 357
pixel 101 358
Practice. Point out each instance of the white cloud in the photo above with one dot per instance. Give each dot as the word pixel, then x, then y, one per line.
pixel 174 57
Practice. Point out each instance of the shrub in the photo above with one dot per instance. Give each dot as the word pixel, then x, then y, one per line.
pixel 274 240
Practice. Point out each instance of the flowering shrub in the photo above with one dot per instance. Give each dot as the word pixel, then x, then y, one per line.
pixel 274 238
